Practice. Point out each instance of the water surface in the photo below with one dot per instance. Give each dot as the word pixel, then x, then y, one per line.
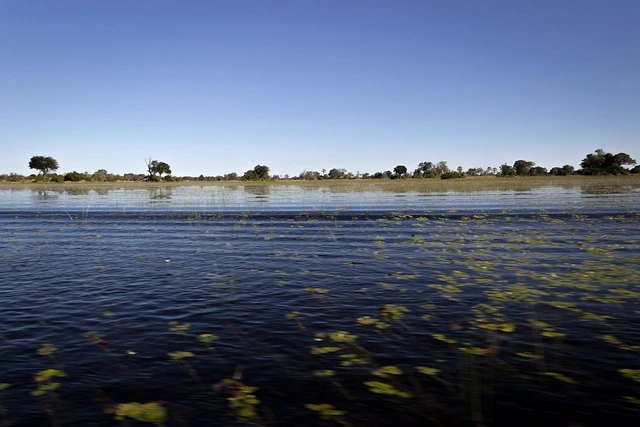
pixel 490 308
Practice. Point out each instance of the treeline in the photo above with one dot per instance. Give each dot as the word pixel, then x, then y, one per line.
pixel 597 163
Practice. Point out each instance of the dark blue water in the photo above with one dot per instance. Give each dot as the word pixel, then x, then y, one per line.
pixel 504 308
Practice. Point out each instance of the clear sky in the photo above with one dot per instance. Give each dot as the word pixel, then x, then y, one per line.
pixel 212 87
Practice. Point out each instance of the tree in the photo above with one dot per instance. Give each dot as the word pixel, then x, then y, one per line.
pixel 522 167
pixel 441 168
pixel 601 163
pixel 262 171
pixel 100 175
pixel 259 172
pixel 425 170
pixel 506 170
pixel 310 175
pixel 400 171
pixel 156 169
pixel 44 164
pixel 336 173
pixel 537 171
pixel 561 171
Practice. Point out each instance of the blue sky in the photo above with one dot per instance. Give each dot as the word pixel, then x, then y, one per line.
pixel 212 87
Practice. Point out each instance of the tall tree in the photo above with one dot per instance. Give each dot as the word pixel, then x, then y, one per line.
pixel 400 171
pixel 336 173
pixel 522 167
pixel 157 168
pixel 259 172
pixel 601 163
pixel 506 170
pixel 441 168
pixel 44 164
pixel 425 170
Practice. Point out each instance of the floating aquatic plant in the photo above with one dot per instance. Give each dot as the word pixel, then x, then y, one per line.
pixel 180 355
pixel 342 336
pixel 367 320
pixel 325 410
pixel 384 388
pixel 178 327
pixel 385 371
pixel 324 373
pixel 350 359
pixel 47 350
pixel 207 339
pixel 633 374
pixel 561 377
pixel 392 311
pixel 427 371
pixel 151 412
pixel 242 400
pixel 441 337
pixel 321 291
pixel 46 381
pixel 324 350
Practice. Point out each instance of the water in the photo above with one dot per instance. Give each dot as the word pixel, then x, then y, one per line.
pixel 494 308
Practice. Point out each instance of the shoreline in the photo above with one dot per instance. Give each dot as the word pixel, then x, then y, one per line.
pixel 474 184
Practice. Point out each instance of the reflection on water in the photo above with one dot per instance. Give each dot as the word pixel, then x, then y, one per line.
pixel 44 195
pixel 160 194
pixel 312 198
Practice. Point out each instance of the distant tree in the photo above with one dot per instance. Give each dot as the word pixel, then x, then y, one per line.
pixel 441 168
pixel 231 176
pixel 43 164
pixel 522 167
pixel 336 173
pixel 262 171
pixel 537 171
pixel 474 172
pixel 601 163
pixel 424 170
pixel 12 177
pixel 310 175
pixel 258 173
pixel 156 169
pixel 400 171
pixel 567 170
pixel 101 175
pixel 506 170
pixel 250 175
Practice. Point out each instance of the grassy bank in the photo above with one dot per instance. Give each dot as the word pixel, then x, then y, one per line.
pixel 470 184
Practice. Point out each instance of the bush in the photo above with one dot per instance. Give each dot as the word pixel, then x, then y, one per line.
pixel 451 175
pixel 75 176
